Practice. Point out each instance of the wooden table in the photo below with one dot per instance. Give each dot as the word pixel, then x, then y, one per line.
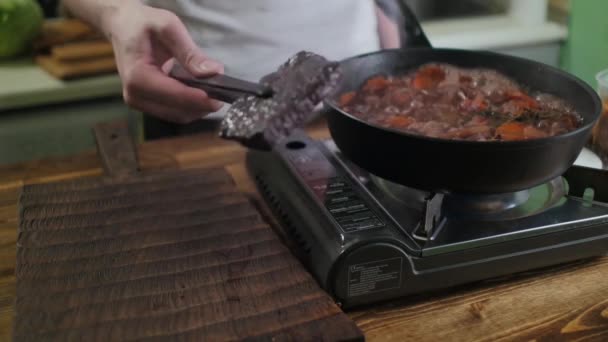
pixel 568 302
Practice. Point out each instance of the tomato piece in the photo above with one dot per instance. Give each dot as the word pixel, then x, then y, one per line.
pixel 346 98
pixel 428 77
pixel 519 103
pixel 514 94
pixel 376 83
pixel 511 131
pixel 478 104
pixel 422 82
pixel 467 132
pixel 523 100
pixel 399 121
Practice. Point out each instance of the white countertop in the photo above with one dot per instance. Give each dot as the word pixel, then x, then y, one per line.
pixel 588 158
pixel 491 32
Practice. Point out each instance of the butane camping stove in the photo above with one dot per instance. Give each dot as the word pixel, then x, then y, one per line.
pixel 367 240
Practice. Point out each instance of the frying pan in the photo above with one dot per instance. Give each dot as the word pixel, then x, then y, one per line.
pixel 456 166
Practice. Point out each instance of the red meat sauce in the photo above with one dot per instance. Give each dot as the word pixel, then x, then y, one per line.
pixel 449 102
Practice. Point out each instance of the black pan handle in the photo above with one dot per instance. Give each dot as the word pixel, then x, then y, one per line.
pixel 411 33
pixel 221 87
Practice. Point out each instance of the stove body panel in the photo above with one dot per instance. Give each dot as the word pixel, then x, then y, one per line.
pixel 323 237
pixel 359 243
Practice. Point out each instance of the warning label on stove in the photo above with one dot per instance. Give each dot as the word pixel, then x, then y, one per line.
pixel 347 207
pixel 374 276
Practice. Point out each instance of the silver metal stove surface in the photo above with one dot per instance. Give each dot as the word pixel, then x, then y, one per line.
pixel 472 221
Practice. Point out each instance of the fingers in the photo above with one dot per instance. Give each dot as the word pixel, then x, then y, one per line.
pixel 168 65
pixel 144 59
pixel 146 84
pixel 173 34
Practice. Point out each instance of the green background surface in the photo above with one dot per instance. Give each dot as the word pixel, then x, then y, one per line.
pixel 586 51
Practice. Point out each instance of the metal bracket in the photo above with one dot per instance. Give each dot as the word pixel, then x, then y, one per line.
pixel 432 221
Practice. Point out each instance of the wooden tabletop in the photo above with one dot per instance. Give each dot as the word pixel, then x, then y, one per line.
pixel 567 302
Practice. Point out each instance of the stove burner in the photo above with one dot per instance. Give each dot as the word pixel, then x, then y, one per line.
pixel 438 208
pixel 491 207
pixel 484 205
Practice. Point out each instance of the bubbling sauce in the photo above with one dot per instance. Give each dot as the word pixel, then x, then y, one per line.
pixel 448 102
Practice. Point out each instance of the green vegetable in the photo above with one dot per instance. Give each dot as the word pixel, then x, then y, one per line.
pixel 20 22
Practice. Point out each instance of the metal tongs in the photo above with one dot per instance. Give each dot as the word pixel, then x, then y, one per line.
pixel 222 87
pixel 261 114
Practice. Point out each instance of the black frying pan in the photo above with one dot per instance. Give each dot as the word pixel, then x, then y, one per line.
pixel 459 166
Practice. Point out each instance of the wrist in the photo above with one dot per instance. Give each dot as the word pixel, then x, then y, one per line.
pixel 111 12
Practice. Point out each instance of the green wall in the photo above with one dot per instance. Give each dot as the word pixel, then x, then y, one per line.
pixel 586 51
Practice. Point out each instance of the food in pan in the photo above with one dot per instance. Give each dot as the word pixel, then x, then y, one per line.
pixel 444 101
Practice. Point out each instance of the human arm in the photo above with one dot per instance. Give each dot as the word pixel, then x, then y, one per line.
pixel 147 41
pixel 388 29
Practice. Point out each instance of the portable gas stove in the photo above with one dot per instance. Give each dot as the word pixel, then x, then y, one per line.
pixel 367 240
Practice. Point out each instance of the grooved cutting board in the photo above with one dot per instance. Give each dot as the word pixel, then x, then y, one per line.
pixel 171 255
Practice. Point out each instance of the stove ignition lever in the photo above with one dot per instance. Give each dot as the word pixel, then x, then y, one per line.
pixel 432 221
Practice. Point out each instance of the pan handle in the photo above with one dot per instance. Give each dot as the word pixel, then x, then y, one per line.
pixel 411 33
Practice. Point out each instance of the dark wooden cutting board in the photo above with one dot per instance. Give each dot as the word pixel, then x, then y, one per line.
pixel 167 255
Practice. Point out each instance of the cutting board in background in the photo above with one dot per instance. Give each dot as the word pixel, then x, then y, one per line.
pixel 32 86
pixel 67 70
pixel 69 48
pixel 178 254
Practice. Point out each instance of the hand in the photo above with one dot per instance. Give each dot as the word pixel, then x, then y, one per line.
pixel 147 41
